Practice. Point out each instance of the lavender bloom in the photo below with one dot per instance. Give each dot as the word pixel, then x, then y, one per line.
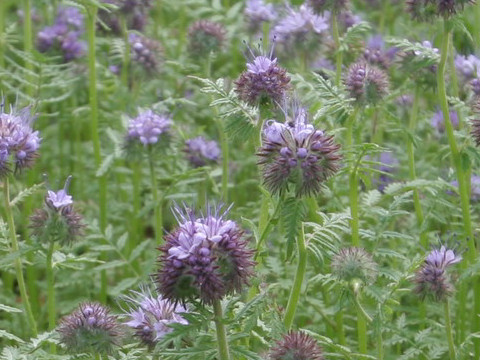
pixel 295 152
pixel 57 221
pixel 388 165
pixel 467 66
pixel 134 11
pixel 257 12
pixel 148 127
pixel 147 52
pixel 298 346
pixel 354 263
pixel 438 122
pixel 431 279
pixel 475 86
pixel 64 35
pixel 426 10
pixel 206 37
pixel 405 101
pixel 264 81
pixel 18 142
pixel 200 152
pixel 336 6
pixel 376 54
pixel 348 19
pixel 205 257
pixel 90 329
pixel 150 316
pixel 366 83
pixel 474 187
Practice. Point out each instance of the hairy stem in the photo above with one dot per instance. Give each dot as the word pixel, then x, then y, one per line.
pixel 51 293
pixel 448 329
pixel 102 180
pixel 353 184
pixel 157 201
pixel 297 283
pixel 461 178
pixel 339 54
pixel 223 353
pixel 18 262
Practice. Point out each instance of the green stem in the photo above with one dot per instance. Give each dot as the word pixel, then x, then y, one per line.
pixel 157 201
pixel 340 329
pixel 448 328
pixel 411 165
pixel 223 353
pixel 27 40
pixel 51 293
pixel 353 184
pixel 380 352
pixel 102 180
pixel 18 261
pixel 126 55
pixel 297 283
pixel 362 319
pixel 224 148
pixel 462 181
pixel 339 53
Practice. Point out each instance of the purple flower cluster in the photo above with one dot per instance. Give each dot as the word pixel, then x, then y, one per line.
pixel 467 66
pixel 295 152
pixel 431 279
pixel 300 25
pixel 438 122
pixel 147 52
pixel 148 127
pixel 90 329
pixel 376 54
pixel 205 37
pixel 426 10
pixel 205 257
pixel 135 12
pixel 474 187
pixel 150 316
pixel 64 35
pixel 264 81
pixel 388 165
pixel 257 12
pixel 18 142
pixel 200 152
pixel 366 83
pixel 296 345
pixel 57 221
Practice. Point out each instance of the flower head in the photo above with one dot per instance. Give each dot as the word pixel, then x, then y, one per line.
pixel 148 127
pixel 91 329
pixel 205 37
pixel 431 279
pixel 150 316
pixel 18 142
pixel 366 83
pixel 296 345
pixel 335 6
pixel 146 52
pixel 263 81
pixel 375 52
pixel 205 257
pixel 295 152
pixel 135 13
pixel 64 34
pixel 57 221
pixel 354 263
pixel 426 10
pixel 467 66
pixel 257 12
pixel 200 152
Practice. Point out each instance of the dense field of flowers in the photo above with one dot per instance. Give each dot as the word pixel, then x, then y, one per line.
pixel 222 179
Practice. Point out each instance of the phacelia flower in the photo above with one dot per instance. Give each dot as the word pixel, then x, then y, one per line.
pixel 57 221
pixel 431 279
pixel 146 52
pixel 90 329
pixel 366 83
pixel 296 345
pixel 295 152
pixel 474 187
pixel 201 152
pixel 347 19
pixel 467 67
pixel 150 315
pixel 335 6
pixel 301 28
pixel 258 12
pixel 425 10
pixel 205 257
pixel 354 263
pixel 64 34
pixel 18 142
pixel 388 165
pixel 134 11
pixel 148 127
pixel 376 54
pixel 263 81
pixel 438 122
pixel 205 37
